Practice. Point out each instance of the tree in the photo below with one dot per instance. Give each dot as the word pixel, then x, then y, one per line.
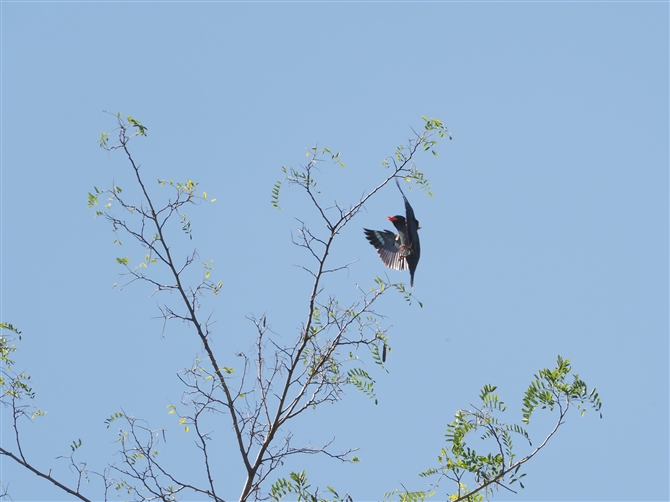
pixel 278 380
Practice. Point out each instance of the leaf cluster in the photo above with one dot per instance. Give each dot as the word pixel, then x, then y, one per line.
pixel 297 484
pixel 497 467
pixel 549 389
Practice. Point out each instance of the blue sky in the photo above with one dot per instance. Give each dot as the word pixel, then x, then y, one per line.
pixel 547 234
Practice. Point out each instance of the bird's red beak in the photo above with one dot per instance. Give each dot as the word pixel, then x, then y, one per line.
pixel 392 218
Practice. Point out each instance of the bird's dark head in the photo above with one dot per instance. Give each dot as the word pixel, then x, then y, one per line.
pixel 399 221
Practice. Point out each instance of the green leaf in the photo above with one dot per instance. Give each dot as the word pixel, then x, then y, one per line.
pixel 275 193
pixel 92 200
pixel 10 327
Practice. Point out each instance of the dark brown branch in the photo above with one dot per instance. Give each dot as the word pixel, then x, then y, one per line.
pixel 21 460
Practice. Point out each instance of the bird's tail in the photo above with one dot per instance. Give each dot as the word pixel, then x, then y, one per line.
pixel 398 185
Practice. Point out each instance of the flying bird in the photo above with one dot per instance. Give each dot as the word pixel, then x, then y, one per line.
pixel 399 251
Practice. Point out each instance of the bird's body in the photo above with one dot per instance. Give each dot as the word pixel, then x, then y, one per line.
pixel 399 251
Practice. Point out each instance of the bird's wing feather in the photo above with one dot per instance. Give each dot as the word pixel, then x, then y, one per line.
pixel 386 245
pixel 412 224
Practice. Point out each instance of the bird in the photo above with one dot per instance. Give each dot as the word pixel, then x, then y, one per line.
pixel 399 251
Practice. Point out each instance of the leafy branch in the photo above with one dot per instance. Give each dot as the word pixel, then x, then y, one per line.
pixel 18 396
pixel 313 369
pixel 498 467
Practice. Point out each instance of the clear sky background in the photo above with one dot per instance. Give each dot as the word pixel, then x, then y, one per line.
pixel 547 234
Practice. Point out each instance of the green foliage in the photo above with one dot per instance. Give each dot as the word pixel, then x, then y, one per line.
pixel 75 445
pixel 275 193
pixel 297 484
pixel 301 177
pixel 407 295
pixel 419 179
pixel 360 379
pixel 437 126
pixel 9 327
pixel 93 199
pixel 16 389
pixel 404 153
pixel 103 142
pixel 146 221
pixel 215 288
pixel 497 466
pixel 6 348
pixel 114 417
pixel 335 157
pixel 140 130
pixel 549 388
pixel 406 496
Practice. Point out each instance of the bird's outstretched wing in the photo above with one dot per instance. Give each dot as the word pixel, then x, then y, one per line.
pixel 386 244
